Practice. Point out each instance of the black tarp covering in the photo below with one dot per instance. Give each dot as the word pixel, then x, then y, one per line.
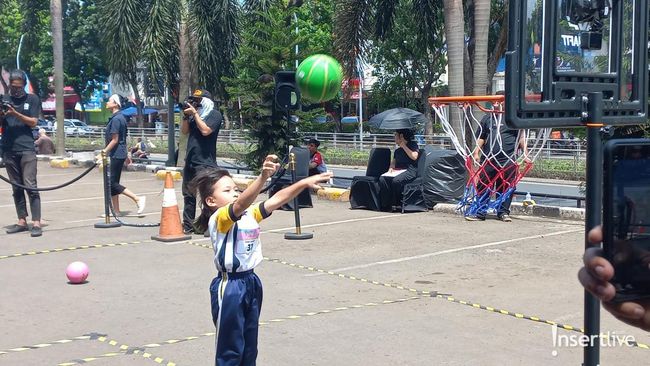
pixel 444 176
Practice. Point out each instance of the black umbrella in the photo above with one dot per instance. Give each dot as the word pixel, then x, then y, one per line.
pixel 397 119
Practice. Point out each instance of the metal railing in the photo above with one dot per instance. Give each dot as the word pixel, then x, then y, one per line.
pixel 553 148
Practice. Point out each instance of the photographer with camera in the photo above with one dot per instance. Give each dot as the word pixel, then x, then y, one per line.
pixel 202 122
pixel 18 115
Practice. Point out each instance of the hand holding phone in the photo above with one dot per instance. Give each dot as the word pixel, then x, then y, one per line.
pixel 596 275
pixel 626 217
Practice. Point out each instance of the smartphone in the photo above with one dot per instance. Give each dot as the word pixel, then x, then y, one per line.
pixel 626 216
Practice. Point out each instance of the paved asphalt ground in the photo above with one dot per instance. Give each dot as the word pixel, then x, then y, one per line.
pixel 147 303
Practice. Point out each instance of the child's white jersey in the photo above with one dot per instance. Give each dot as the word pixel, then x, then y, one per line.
pixel 236 240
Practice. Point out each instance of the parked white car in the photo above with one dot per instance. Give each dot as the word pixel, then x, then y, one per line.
pixel 82 128
pixel 74 127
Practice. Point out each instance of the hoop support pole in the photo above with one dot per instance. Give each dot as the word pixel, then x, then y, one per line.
pixel 593 217
pixel 298 235
pixel 107 224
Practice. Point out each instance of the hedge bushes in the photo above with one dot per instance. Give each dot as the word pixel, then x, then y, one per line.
pixel 566 169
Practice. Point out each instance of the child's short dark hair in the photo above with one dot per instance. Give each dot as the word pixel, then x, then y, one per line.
pixel 203 186
pixel 314 141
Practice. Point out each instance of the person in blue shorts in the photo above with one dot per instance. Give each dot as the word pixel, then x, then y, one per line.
pixel 233 223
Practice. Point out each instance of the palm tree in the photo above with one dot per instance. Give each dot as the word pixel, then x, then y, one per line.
pixel 455 35
pixel 214 25
pixel 122 36
pixel 481 25
pixel 196 38
pixel 160 48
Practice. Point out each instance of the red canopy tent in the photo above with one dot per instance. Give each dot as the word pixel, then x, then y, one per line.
pixel 70 99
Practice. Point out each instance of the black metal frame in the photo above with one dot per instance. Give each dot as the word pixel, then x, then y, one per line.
pixel 562 103
pixel 579 99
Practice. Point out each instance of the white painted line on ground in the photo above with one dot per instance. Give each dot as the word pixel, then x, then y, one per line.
pixel 317 225
pixel 98 219
pixel 448 251
pixel 331 223
pixel 90 183
pixel 85 199
pixel 54 175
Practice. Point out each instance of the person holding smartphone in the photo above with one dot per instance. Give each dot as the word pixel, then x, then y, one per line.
pixel 596 275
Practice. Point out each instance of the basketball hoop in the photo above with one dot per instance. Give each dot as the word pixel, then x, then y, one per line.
pixel 505 157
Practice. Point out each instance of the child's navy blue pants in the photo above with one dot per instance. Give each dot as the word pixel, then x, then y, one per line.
pixel 236 305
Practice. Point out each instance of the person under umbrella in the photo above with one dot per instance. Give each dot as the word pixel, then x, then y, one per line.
pixel 403 170
pixel 397 119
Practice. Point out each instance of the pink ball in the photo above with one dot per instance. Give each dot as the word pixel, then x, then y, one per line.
pixel 77 272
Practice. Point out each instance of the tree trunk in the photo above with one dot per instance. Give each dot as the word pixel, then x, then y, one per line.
pixel 468 69
pixel 185 87
pixel 226 119
pixel 185 82
pixel 136 95
pixel 424 97
pixel 481 32
pixel 5 87
pixel 57 44
pixel 455 35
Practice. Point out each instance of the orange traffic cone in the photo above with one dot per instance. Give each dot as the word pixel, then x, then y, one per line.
pixel 170 220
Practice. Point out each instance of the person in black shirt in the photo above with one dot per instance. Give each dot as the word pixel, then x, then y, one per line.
pixel 403 170
pixel 115 139
pixel 19 153
pixel 202 122
pixel 496 145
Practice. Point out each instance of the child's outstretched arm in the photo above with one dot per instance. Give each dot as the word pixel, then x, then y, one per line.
pixel 249 195
pixel 287 194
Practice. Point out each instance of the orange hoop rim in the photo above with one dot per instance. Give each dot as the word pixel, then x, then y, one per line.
pixel 470 99
pixel 467 99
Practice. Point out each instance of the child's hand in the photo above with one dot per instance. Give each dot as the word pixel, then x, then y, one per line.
pixel 312 182
pixel 270 166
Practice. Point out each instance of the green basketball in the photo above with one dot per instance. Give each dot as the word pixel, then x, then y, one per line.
pixel 319 78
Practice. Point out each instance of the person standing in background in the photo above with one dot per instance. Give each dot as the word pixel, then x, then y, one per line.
pixel 18 115
pixel 201 121
pixel 115 137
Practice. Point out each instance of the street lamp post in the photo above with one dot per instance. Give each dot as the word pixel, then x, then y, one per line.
pixel 360 71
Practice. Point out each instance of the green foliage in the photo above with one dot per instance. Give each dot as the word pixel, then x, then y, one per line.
pixel 315 20
pixel 266 48
pixel 268 45
pixel 161 42
pixel 123 26
pixel 214 26
pixel 11 20
pixel 83 59
pixel 559 169
pixel 409 59
pixel 30 18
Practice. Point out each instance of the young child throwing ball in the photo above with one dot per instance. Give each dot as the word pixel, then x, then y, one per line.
pixel 233 223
